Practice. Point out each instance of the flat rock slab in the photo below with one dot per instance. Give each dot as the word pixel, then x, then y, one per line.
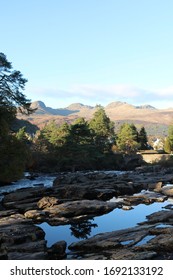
pixel 145 198
pixel 66 212
pixel 112 239
pixel 114 245
pixel 19 239
pixel 152 239
pixel 160 217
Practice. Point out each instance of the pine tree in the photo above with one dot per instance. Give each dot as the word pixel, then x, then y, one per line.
pixel 102 129
pixel 127 138
pixel 12 151
pixel 167 145
pixel 142 138
pixel 170 136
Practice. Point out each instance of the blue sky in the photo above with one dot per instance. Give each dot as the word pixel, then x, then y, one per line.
pixel 91 51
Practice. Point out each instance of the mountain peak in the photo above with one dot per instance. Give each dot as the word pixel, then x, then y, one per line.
pixel 146 106
pixel 78 106
pixel 38 104
pixel 117 104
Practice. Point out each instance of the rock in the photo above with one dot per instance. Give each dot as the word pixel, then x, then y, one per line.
pixel 19 239
pixel 145 198
pixel 167 190
pixel 47 202
pixel 126 207
pixel 36 215
pixel 67 212
pixel 160 217
pixel 78 197
pixel 24 199
pixel 163 242
pixel 27 256
pixel 7 213
pixel 169 206
pixel 81 207
pixel 156 187
pixel 110 245
pixel 146 241
pixel 57 251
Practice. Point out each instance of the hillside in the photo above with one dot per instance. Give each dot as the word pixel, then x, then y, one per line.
pixel 155 120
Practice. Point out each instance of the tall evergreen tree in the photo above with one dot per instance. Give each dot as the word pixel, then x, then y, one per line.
pixel 167 145
pixel 78 147
pixel 142 138
pixel 12 85
pixel 170 136
pixel 127 138
pixel 12 152
pixel 102 129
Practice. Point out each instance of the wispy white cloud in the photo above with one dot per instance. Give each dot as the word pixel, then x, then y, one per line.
pixel 98 94
pixel 165 93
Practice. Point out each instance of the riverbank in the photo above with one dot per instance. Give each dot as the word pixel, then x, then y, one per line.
pixel 74 199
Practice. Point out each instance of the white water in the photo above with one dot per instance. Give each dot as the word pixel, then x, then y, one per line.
pixel 25 182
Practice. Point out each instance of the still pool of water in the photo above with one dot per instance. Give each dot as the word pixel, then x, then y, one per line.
pixel 115 220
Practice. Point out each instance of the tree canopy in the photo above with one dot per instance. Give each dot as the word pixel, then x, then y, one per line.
pixel 13 152
pixel 12 85
pixel 103 129
pixel 127 138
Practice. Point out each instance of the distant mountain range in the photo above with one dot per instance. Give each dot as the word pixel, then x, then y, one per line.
pixel 155 120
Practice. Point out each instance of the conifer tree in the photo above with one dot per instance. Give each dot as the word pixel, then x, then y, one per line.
pixel 143 140
pixel 127 138
pixel 102 129
pixel 12 152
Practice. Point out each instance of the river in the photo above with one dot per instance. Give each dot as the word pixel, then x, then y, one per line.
pixel 115 220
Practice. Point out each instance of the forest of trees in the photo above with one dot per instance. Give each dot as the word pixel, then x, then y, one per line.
pixel 81 145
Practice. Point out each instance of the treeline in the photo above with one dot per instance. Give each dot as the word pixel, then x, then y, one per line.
pixel 81 145
pixel 85 144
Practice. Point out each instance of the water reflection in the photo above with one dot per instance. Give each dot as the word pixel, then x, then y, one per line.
pixel 83 229
pixel 115 220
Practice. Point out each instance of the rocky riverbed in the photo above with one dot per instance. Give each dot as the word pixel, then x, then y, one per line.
pixel 77 197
